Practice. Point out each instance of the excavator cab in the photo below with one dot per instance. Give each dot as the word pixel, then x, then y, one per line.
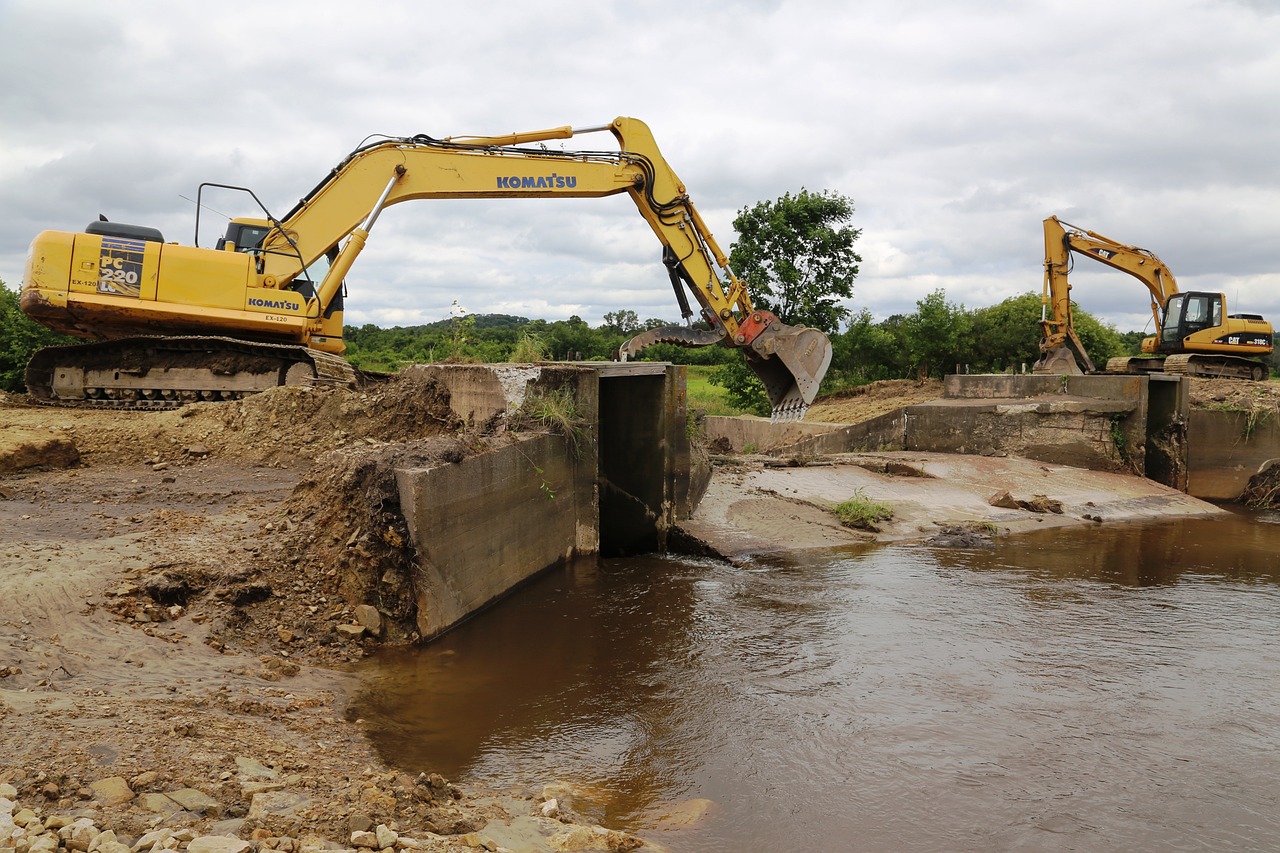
pixel 1188 313
pixel 244 235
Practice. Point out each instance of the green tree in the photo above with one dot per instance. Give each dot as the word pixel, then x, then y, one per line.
pixel 624 321
pixel 1007 335
pixel 796 255
pixel 866 351
pixel 20 336
pixel 938 335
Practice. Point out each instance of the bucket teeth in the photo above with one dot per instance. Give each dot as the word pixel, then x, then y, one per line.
pixel 789 411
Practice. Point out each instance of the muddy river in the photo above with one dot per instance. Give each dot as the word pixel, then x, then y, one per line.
pixel 1109 688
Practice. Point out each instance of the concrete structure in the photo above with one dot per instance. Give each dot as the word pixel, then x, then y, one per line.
pixel 759 509
pixel 1135 424
pixel 1226 449
pixel 614 483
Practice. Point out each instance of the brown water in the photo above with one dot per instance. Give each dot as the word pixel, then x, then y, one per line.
pixel 1111 688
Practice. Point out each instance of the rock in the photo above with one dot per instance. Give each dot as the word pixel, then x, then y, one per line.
pixel 234 827
pixel 151 839
pixel 8 792
pixel 158 804
pixel 365 840
pixel 218 844
pixel 50 791
pixel 112 791
pixel 349 632
pixel 196 801
pixel 360 823
pixel 251 769
pixel 685 814
pixel 47 843
pixel 368 616
pixel 144 780
pixel 1003 500
pixel 198 451
pixel 276 803
pixel 551 808
pixel 25 817
pixel 20 450
pixel 386 838
pixel 102 838
pixel 1042 503
pixel 78 835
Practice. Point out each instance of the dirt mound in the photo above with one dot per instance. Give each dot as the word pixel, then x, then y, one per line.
pixel 854 405
pixel 1234 395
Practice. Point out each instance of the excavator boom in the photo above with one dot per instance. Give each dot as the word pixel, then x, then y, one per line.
pixel 265 283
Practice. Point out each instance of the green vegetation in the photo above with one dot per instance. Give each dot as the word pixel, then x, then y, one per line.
pixel 862 512
pixel 19 338
pixel 555 410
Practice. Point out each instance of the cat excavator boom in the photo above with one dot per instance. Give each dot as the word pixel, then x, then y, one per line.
pixel 265 306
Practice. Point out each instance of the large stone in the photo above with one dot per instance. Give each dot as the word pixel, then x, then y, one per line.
pixel 196 801
pixel 78 835
pixel 368 616
pixel 158 804
pixel 112 791
pixel 219 844
pixel 252 769
pixel 276 803
pixel 20 449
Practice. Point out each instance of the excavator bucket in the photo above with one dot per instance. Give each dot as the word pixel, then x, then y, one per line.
pixel 790 361
pixel 1058 360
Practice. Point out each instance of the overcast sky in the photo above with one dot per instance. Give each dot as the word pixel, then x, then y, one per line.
pixel 955 127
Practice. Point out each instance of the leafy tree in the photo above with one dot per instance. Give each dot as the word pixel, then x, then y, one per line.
pixel 20 336
pixel 1007 335
pixel 866 352
pixel 796 254
pixel 938 335
pixel 623 321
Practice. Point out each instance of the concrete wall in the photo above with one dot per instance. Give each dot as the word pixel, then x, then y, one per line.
pixel 487 524
pixel 750 434
pixel 1226 449
pixel 484 526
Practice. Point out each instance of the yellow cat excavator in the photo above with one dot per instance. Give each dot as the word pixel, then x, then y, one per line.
pixel 264 308
pixel 1194 333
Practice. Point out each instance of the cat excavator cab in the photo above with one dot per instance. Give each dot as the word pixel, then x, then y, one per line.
pixel 1195 334
pixel 264 308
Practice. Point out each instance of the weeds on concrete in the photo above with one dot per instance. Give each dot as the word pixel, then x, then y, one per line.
pixel 863 513
pixel 556 411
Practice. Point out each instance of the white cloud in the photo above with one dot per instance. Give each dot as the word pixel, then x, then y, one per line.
pixel 954 127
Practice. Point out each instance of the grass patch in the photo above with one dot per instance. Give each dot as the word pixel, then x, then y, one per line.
pixel 863 513
pixel 702 394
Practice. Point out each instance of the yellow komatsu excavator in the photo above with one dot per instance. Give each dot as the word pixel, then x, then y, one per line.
pixel 1194 333
pixel 264 308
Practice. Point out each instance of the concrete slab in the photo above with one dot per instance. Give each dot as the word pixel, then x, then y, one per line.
pixel 756 509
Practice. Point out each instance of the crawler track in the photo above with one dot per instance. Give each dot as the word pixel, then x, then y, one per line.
pixel 167 372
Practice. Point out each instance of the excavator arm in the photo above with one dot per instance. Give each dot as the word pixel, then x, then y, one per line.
pixel 1060 348
pixel 263 283
pixel 790 361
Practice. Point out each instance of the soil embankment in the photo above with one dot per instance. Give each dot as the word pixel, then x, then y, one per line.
pixel 181 592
